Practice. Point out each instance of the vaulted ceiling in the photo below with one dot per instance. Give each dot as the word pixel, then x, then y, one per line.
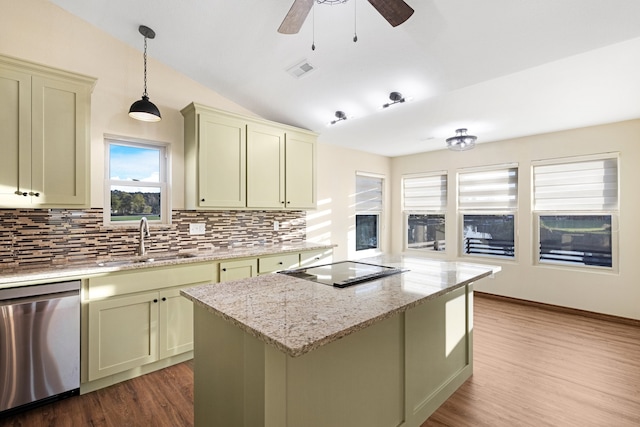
pixel 501 68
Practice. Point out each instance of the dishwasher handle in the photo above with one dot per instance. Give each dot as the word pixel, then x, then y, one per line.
pixel 37 290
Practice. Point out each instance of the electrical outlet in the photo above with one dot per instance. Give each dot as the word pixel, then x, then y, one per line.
pixel 276 225
pixel 197 228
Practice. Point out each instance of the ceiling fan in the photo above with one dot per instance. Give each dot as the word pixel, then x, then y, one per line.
pixel 394 11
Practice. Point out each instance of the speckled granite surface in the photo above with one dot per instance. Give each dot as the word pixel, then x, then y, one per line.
pixel 298 316
pixel 17 276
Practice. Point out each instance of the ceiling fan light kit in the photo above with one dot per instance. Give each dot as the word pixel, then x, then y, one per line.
pixel 461 141
pixel 144 109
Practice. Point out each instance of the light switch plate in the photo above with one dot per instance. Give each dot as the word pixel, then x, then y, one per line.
pixel 197 228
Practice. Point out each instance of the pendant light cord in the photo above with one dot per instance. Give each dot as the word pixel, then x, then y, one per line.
pixel 355 22
pixel 145 68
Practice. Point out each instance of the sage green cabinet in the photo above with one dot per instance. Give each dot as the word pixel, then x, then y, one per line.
pixel 44 129
pixel 238 269
pixel 139 317
pixel 281 168
pixel 233 161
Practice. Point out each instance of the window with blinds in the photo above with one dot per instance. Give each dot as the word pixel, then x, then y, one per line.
pixel 424 201
pixel 586 186
pixel 369 205
pixel 488 200
pixel 488 189
pixel 576 203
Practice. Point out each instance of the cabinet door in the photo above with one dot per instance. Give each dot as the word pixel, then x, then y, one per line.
pixel 122 333
pixel 176 323
pixel 300 175
pixel 234 270
pixel 265 167
pixel 15 137
pixel 221 162
pixel 59 139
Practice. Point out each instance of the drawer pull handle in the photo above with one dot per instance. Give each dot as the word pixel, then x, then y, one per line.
pixel 31 193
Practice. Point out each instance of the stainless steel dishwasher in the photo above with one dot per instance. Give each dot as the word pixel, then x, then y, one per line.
pixel 39 344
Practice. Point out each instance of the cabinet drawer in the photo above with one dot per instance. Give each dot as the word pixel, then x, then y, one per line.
pixel 150 279
pixel 278 262
pixel 317 257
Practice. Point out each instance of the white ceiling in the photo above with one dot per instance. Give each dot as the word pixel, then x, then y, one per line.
pixel 501 68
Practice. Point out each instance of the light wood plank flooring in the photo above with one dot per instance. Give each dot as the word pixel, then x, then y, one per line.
pixel 534 366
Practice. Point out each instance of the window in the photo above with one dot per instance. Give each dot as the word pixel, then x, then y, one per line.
pixel 137 182
pixel 575 205
pixel 368 210
pixel 424 203
pixel 488 200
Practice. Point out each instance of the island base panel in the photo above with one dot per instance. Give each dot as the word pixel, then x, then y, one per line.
pixel 396 372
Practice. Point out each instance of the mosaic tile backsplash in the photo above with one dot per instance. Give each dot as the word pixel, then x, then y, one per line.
pixel 44 237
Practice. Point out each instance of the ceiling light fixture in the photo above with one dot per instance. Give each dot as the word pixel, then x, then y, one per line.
pixel 340 115
pixel 396 97
pixel 144 109
pixel 461 141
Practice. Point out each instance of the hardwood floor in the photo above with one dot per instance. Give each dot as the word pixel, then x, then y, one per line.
pixel 532 367
pixel 536 366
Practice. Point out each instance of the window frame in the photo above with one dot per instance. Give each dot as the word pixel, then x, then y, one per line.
pixel 442 211
pixel 163 183
pixel 379 214
pixel 613 213
pixel 462 211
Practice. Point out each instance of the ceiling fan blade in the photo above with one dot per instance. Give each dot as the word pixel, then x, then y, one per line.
pixel 295 17
pixel 394 11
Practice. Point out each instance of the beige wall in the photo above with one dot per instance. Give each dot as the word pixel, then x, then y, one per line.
pixel 610 293
pixel 334 220
pixel 38 31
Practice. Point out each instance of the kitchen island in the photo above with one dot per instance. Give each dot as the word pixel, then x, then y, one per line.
pixel 281 351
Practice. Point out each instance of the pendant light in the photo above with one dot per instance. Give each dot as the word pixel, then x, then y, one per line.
pixel 461 141
pixel 144 109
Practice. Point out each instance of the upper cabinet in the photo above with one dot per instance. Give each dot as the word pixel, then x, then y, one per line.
pixel 232 161
pixel 44 132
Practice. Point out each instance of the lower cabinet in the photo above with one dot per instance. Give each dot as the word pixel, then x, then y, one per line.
pixel 238 269
pixel 137 318
pixel 133 330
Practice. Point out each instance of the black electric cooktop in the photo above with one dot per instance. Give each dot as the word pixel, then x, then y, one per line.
pixel 344 273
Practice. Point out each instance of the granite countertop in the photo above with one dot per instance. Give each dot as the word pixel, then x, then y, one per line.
pixel 298 316
pixel 21 275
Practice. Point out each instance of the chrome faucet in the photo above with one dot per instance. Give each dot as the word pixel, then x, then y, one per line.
pixel 144 232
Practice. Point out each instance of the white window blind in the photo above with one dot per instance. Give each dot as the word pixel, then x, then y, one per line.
pixel 425 193
pixel 577 186
pixel 368 194
pixel 495 189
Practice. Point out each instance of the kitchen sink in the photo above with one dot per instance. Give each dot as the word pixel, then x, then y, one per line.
pixel 144 260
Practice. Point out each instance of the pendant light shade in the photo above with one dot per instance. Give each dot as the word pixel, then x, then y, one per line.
pixel 144 109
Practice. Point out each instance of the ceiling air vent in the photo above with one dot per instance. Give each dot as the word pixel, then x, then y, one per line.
pixel 301 69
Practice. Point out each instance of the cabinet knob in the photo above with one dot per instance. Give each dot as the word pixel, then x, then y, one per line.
pixel 31 193
pixel 202 200
pixel 155 300
pixel 289 203
pixel 224 269
pixel 164 298
pixel 280 263
pixel 282 202
pixel 20 193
